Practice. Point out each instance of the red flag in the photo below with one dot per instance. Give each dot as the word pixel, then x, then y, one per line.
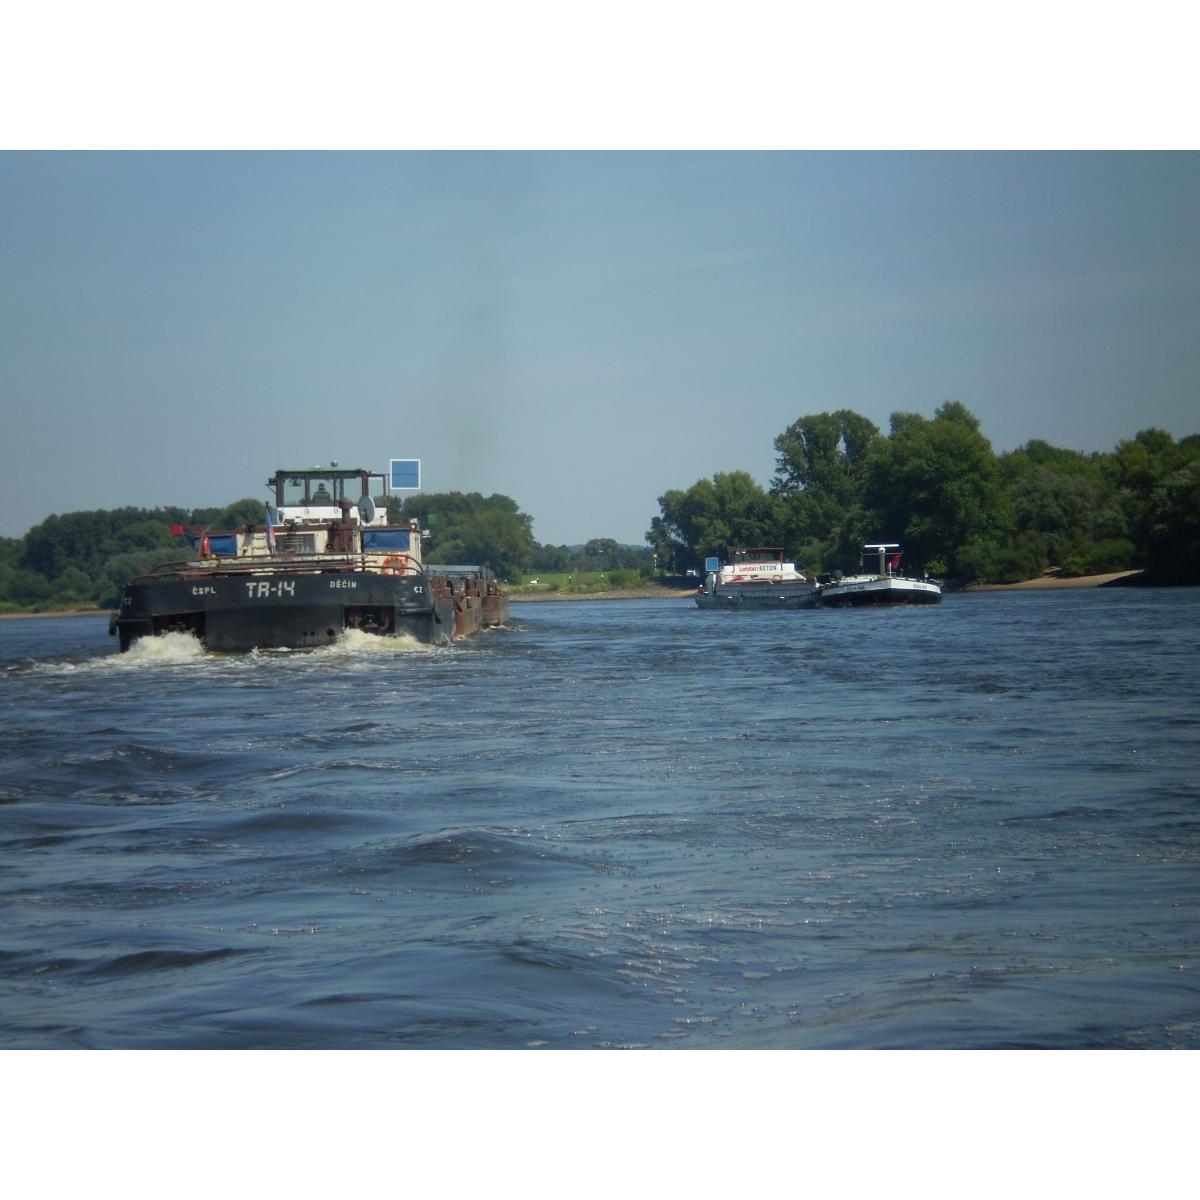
pixel 894 562
pixel 177 531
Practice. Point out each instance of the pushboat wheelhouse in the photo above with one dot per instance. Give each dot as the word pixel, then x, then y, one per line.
pixel 325 559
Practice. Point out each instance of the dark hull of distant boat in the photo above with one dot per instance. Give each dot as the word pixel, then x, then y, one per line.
pixel 240 611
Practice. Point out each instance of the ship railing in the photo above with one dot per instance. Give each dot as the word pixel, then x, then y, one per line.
pixel 281 564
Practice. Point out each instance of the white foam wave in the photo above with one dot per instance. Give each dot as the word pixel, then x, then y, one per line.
pixel 168 648
pixel 176 649
pixel 356 642
pixel 351 643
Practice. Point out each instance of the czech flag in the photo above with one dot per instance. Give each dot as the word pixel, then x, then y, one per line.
pixel 270 531
pixel 894 563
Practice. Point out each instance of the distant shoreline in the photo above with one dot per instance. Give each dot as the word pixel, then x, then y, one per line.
pixel 654 592
pixel 61 612
pixel 1042 583
pixel 651 592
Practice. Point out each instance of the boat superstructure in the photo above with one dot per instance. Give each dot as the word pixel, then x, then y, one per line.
pixel 325 559
pixel 879 582
pixel 756 577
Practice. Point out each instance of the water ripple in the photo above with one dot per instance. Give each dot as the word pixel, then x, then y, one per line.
pixel 612 825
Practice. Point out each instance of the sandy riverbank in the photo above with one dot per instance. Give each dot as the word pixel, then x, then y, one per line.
pixel 1044 582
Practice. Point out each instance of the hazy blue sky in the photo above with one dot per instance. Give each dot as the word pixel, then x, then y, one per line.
pixel 580 331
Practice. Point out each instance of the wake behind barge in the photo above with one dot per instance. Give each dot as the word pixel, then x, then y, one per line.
pixel 326 560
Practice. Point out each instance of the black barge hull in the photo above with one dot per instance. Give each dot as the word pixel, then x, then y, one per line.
pixel 276 611
pixel 761 597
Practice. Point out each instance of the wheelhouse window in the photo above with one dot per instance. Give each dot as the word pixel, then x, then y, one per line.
pixel 292 491
pixel 323 489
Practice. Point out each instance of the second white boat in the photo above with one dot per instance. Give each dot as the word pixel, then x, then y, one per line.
pixel 879 582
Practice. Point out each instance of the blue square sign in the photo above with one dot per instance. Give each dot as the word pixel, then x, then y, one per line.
pixel 404 474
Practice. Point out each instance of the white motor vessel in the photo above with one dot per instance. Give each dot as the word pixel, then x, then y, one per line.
pixel 879 582
pixel 758 577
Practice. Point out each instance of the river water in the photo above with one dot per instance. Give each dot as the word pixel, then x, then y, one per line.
pixel 613 824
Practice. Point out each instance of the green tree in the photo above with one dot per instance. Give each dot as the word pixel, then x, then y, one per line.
pixel 668 543
pixel 61 542
pixel 820 475
pixel 1172 529
pixel 635 558
pixel 825 454
pixel 246 511
pixel 601 554
pixel 1081 528
pixel 441 506
pixel 934 486
pixel 1142 469
pixel 1067 512
pixel 87 540
pixel 470 528
pixel 23 588
pixel 1157 478
pixel 551 559
pixel 492 538
pixel 713 517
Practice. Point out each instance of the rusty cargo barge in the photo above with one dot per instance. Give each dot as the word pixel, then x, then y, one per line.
pixel 325 560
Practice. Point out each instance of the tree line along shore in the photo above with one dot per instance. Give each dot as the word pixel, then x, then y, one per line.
pixel 962 513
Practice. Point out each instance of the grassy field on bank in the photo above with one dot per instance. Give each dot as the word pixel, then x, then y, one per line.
pixel 577 583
